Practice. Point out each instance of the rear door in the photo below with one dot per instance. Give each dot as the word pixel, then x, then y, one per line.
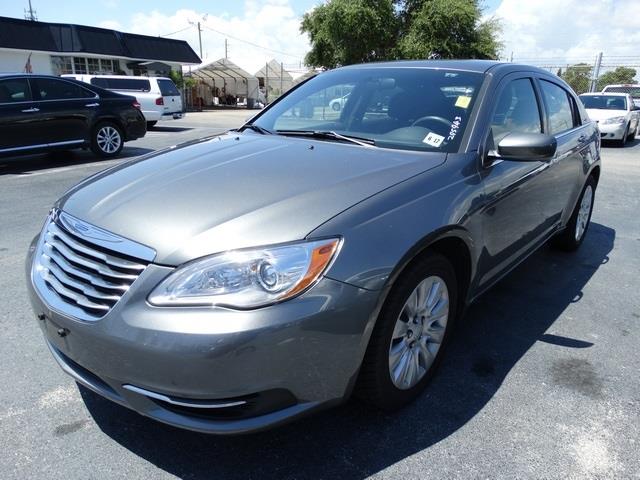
pixel 574 139
pixel 67 110
pixel 171 96
pixel 19 120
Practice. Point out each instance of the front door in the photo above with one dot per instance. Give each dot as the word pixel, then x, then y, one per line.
pixel 517 213
pixel 20 127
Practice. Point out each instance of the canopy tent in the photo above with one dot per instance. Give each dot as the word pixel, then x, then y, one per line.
pixel 223 83
pixel 274 79
pixel 305 76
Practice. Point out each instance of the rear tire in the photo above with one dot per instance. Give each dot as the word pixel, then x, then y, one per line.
pixel 151 124
pixel 107 140
pixel 411 330
pixel 573 235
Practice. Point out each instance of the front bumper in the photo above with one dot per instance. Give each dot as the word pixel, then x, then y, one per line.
pixel 613 131
pixel 300 355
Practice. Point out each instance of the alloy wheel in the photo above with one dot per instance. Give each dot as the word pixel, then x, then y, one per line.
pixel 418 332
pixel 108 139
pixel 584 212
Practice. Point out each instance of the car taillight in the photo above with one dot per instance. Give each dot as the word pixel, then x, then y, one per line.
pixel 136 104
pixel 160 101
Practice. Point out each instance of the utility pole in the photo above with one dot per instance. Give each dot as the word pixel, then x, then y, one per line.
pixel 266 82
pixel 281 74
pixel 200 39
pixel 511 58
pixel 30 14
pixel 226 48
pixel 596 73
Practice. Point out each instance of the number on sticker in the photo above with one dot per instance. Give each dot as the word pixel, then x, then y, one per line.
pixel 455 126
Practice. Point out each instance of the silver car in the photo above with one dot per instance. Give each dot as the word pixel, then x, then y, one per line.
pixel 240 281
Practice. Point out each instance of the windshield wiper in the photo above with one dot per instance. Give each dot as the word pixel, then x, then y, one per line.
pixel 362 141
pixel 255 128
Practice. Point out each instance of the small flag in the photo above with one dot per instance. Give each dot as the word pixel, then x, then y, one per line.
pixel 27 66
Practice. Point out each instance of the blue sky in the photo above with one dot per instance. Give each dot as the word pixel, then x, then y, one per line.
pixel 551 33
pixel 76 11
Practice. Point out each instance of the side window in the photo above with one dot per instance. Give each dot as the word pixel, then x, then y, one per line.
pixel 558 106
pixel 52 89
pixel 517 110
pixel 14 90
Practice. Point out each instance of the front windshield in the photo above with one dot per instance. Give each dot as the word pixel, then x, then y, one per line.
pixel 403 108
pixel 604 102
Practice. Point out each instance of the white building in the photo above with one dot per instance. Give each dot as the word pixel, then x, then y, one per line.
pixel 56 49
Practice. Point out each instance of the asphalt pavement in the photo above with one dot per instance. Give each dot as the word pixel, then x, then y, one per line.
pixel 541 381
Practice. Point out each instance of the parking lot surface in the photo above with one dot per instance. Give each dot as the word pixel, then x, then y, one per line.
pixel 541 380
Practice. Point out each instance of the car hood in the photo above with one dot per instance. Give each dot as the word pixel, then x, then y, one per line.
pixel 237 190
pixel 603 114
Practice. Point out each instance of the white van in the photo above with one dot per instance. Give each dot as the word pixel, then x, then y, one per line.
pixel 158 97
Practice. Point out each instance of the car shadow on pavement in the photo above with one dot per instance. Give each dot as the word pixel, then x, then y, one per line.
pixel 164 128
pixel 354 441
pixel 28 164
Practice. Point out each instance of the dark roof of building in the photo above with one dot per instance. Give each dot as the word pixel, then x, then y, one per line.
pixel 68 38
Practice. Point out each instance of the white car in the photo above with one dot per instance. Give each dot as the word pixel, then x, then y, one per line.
pixel 158 97
pixel 337 103
pixel 617 116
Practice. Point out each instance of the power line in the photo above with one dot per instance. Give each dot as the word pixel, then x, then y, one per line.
pixel 251 43
pixel 177 31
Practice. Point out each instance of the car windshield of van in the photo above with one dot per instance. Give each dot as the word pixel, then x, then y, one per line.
pixel 403 108
pixel 604 102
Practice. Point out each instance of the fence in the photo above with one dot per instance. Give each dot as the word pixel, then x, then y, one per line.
pixel 591 76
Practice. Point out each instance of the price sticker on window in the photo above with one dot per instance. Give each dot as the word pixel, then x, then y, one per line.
pixel 433 139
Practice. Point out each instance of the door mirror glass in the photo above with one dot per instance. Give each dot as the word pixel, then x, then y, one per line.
pixel 526 147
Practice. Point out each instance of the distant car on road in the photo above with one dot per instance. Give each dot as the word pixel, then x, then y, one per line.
pixel 241 281
pixel 337 104
pixel 630 88
pixel 42 113
pixel 159 97
pixel 617 116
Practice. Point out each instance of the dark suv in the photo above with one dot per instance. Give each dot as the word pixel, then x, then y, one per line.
pixel 43 113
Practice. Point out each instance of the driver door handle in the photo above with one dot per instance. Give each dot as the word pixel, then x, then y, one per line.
pixel 92 105
pixel 31 110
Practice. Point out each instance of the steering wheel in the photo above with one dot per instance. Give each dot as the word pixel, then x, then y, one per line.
pixel 433 118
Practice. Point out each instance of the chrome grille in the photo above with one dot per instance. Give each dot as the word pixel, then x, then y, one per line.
pixel 82 277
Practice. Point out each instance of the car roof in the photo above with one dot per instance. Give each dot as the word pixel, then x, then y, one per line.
pixel 479 66
pixel 608 94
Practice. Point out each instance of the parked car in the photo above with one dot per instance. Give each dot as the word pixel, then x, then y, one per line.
pixel 246 279
pixel 158 96
pixel 617 116
pixel 631 89
pixel 338 103
pixel 43 113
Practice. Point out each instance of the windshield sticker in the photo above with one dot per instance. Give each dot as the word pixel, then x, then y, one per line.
pixel 463 101
pixel 433 139
pixel 455 126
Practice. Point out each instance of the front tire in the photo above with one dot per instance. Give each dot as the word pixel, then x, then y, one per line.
pixel 410 335
pixel 107 140
pixel 151 124
pixel 625 136
pixel 573 235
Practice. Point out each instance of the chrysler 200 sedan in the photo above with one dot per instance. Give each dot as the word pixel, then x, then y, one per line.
pixel 243 280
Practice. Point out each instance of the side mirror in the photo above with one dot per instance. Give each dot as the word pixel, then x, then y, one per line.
pixel 526 147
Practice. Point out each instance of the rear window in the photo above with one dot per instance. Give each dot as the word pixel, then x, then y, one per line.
pixel 132 84
pixel 168 88
pixel 604 102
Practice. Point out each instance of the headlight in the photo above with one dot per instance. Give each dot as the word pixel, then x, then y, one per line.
pixel 247 278
pixel 612 120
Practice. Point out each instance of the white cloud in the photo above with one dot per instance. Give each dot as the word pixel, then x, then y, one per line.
pixel 567 31
pixel 272 24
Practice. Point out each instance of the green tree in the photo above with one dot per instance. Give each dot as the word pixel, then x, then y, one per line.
pixel 578 76
pixel 350 31
pixel 619 75
pixel 355 31
pixel 450 29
